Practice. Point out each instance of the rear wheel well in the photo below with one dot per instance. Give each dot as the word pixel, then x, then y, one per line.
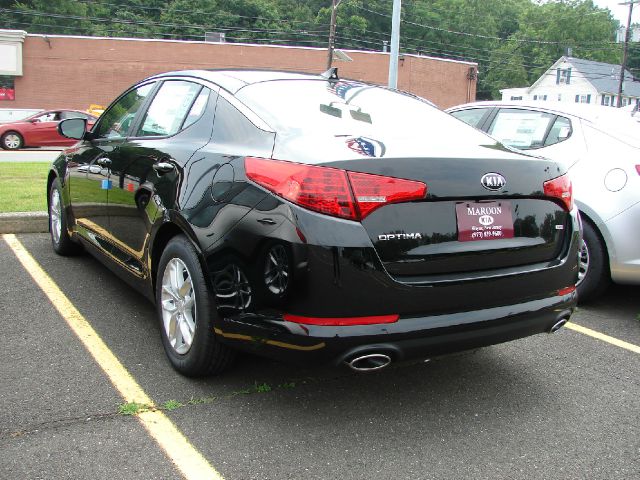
pixel 587 219
pixel 594 266
pixel 162 238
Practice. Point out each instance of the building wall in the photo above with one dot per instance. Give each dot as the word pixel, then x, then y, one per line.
pixel 74 72
pixel 578 85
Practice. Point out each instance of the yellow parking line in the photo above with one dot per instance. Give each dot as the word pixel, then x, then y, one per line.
pixel 183 454
pixel 605 338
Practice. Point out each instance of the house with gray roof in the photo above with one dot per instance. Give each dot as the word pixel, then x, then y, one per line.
pixel 575 80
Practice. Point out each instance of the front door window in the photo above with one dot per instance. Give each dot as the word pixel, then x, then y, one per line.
pixel 117 121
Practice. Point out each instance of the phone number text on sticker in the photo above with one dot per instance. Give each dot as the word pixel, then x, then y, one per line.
pixel 484 221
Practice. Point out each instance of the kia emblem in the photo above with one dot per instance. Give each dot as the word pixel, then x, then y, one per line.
pixel 493 181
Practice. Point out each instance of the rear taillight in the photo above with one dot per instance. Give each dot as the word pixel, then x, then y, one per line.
pixel 329 190
pixel 325 190
pixel 374 191
pixel 561 189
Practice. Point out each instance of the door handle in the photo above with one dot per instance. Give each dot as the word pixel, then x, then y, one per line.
pixel 104 162
pixel 163 167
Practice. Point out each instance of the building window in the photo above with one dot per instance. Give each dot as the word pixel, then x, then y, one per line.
pixel 624 102
pixel 559 97
pixel 535 97
pixel 7 88
pixel 563 76
pixel 605 100
pixel 516 98
pixel 583 98
pixel 544 98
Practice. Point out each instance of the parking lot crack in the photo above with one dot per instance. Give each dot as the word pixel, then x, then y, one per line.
pixel 58 423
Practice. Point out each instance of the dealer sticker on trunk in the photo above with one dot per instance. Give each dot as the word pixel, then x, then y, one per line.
pixel 484 221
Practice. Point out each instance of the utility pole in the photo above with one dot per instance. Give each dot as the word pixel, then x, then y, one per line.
pixel 332 31
pixel 627 38
pixel 395 44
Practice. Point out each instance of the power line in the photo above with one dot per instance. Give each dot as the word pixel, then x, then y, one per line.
pixel 474 35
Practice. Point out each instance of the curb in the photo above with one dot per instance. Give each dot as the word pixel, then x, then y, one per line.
pixel 24 222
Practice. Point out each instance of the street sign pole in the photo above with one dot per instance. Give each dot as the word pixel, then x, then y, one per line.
pixel 627 38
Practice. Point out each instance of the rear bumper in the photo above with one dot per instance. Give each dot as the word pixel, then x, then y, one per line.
pixel 336 273
pixel 413 337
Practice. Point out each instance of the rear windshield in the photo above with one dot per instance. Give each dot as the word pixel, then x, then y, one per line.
pixel 349 109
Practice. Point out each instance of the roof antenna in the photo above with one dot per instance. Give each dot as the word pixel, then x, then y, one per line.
pixel 331 74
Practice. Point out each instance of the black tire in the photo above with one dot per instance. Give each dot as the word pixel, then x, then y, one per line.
pixel 11 141
pixel 58 225
pixel 205 355
pixel 594 253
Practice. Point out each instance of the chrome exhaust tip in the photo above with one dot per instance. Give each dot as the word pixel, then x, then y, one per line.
pixel 369 363
pixel 558 325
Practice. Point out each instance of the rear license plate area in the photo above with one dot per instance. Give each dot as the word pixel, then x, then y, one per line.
pixel 484 221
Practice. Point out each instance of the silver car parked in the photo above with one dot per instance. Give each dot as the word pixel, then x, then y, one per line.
pixel 601 148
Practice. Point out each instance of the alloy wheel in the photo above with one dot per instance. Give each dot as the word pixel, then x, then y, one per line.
pixel 583 262
pixel 178 306
pixel 12 141
pixel 55 214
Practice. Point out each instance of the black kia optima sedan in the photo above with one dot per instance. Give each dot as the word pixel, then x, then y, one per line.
pixel 314 219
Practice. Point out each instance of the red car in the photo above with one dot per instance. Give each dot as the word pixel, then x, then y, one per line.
pixel 40 130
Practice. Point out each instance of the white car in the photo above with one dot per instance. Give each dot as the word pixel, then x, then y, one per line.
pixel 601 148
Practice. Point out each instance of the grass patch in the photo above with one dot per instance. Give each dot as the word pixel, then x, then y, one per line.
pixel 262 387
pixel 171 405
pixel 133 408
pixel 23 187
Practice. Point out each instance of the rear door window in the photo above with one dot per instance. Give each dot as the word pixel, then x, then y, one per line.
pixel 170 107
pixel 198 107
pixel 560 131
pixel 523 129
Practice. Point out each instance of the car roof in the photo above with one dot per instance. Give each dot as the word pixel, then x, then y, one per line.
pixel 233 80
pixel 592 113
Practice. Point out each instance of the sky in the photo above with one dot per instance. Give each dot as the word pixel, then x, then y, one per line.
pixel 620 12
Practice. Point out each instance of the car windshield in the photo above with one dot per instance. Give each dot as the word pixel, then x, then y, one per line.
pixel 341 108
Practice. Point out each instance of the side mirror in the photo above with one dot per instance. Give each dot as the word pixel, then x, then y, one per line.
pixel 74 128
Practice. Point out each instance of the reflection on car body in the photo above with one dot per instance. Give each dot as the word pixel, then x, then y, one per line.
pixel 39 129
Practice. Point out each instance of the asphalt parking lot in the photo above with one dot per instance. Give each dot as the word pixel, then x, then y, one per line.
pixel 550 406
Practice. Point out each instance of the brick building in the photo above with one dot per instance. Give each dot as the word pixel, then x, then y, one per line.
pixel 73 72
